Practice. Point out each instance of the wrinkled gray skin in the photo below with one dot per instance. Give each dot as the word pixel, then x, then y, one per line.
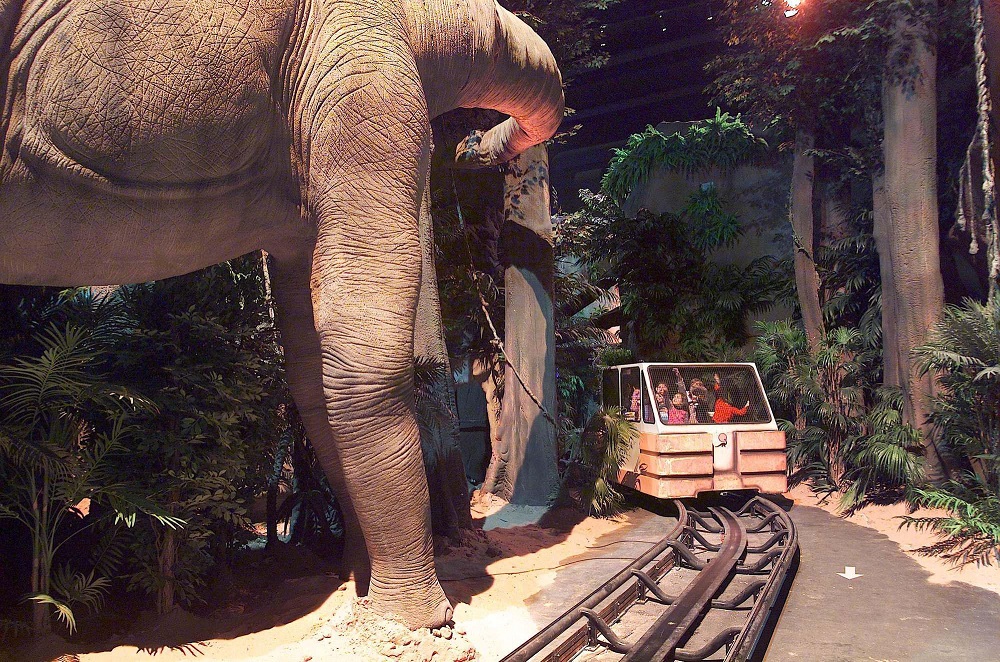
pixel 149 138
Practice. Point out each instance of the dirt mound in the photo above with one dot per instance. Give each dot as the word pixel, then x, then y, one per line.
pixel 357 633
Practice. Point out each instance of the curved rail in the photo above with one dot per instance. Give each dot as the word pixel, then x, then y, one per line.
pixel 745 643
pixel 662 639
pixel 587 624
pixel 579 611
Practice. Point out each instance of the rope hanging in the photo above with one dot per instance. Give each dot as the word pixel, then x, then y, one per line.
pixel 496 342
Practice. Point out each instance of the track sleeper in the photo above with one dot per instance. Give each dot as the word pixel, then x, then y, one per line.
pixel 614 642
pixel 724 638
pixel 648 583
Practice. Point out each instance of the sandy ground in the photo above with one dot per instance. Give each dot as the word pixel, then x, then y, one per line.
pixel 887 520
pixel 488 573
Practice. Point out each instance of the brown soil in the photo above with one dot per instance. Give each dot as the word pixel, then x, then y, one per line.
pixel 296 609
pixel 270 617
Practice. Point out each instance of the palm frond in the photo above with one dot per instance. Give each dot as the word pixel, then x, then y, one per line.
pixel 63 611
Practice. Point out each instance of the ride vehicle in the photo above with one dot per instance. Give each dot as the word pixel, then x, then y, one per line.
pixel 702 427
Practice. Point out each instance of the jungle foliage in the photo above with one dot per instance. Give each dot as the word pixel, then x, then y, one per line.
pixel 821 70
pixel 676 304
pixel 138 423
pixel 204 346
pixel 63 429
pixel 724 142
pixel 602 450
pixel 844 430
pixel 964 349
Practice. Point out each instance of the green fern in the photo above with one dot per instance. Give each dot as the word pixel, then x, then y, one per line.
pixel 963 351
pixel 63 611
pixel 605 442
pixel 971 533
pixel 724 141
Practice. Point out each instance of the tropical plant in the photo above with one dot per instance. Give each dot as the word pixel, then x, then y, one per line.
pixel 963 349
pixel 578 304
pixel 62 430
pixel 603 449
pixel 205 345
pixel 844 430
pixel 971 532
pixel 674 303
pixel 724 141
pixel 883 460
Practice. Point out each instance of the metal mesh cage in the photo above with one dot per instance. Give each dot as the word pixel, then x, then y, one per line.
pixel 708 395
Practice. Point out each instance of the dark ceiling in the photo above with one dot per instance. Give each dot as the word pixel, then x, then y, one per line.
pixel 658 49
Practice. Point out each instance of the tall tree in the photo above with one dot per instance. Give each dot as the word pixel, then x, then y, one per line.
pixel 800 212
pixel 572 30
pixel 523 465
pixel 785 70
pixel 906 218
pixel 861 77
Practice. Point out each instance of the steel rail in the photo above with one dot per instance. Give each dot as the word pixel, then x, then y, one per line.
pixel 584 608
pixel 661 640
pixel 588 625
pixel 746 642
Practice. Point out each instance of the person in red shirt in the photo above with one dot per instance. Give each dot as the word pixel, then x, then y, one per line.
pixel 724 409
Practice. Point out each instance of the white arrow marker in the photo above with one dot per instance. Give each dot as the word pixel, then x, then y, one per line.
pixel 849 572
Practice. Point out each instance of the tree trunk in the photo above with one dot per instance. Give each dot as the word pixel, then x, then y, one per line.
pixel 523 468
pixel 167 559
pixel 906 223
pixel 801 216
pixel 891 371
pixel 446 481
pixel 41 562
pixel 988 84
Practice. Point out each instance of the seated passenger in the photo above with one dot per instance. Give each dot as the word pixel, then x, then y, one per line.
pixel 677 414
pixel 634 405
pixel 699 402
pixel 724 409
pixel 661 395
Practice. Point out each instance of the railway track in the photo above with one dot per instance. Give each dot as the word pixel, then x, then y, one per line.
pixel 703 592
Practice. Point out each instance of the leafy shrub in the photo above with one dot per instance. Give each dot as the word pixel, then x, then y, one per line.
pixel 723 141
pixel 204 346
pixel 964 350
pixel 603 449
pixel 844 429
pixel 61 433
pixel 675 304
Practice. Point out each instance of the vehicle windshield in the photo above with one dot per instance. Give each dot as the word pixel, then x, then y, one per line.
pixel 708 395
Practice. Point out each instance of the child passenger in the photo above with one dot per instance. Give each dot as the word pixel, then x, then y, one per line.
pixel 634 405
pixel 699 402
pixel 677 414
pixel 724 409
pixel 660 395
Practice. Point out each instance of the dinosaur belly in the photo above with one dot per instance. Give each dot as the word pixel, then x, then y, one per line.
pixel 165 94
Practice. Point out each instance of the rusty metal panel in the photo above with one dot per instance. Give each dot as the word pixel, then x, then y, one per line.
pixel 676 464
pixel 758 441
pixel 695 442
